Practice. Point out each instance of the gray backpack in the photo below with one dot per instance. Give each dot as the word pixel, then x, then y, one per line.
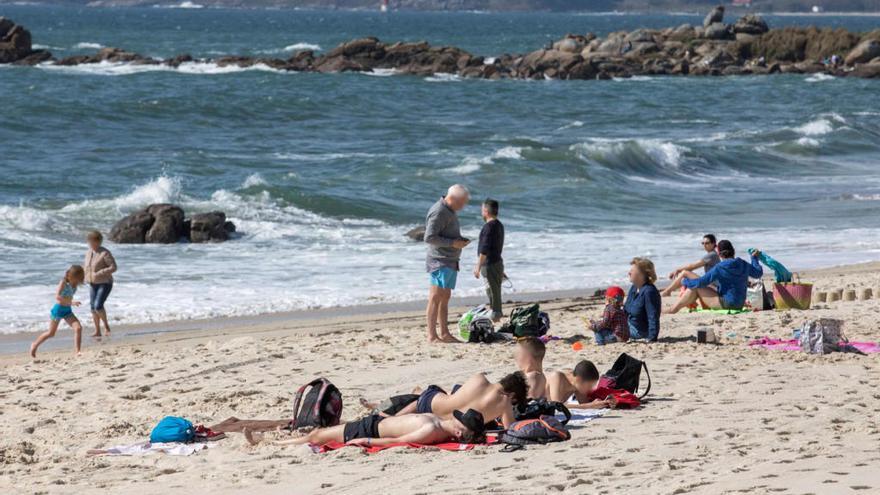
pixel 821 336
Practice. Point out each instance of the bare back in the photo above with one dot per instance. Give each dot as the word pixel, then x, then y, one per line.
pixel 559 389
pixel 478 394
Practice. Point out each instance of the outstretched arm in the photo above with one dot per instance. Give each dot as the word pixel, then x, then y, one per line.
pixel 703 281
pixel 755 270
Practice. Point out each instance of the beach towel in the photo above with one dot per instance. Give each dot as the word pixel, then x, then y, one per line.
pixel 794 345
pixel 448 446
pixel 583 416
pixel 722 311
pixel 144 448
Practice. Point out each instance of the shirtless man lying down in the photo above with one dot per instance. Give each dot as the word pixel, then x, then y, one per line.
pixel 492 400
pixel 579 383
pixel 427 429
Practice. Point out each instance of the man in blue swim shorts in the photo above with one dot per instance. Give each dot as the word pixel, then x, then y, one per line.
pixel 443 236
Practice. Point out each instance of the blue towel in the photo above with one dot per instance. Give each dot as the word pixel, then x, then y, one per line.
pixel 782 273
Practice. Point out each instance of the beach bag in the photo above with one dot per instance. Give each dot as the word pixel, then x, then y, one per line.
pixel 525 321
pixel 464 323
pixel 792 295
pixel 536 408
pixel 172 429
pixel 538 431
pixel 320 407
pixel 482 330
pixel 756 296
pixel 821 336
pixel 625 375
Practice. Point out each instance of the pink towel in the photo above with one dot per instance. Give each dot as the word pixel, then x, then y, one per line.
pixel 794 345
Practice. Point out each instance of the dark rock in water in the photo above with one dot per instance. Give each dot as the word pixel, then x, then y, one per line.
pixel 133 228
pixel 716 15
pixel 718 31
pixel 870 71
pixel 210 227
pixel 167 226
pixel 417 234
pixel 864 52
pixel 750 24
pixel 35 57
pixel 179 59
pixel 15 42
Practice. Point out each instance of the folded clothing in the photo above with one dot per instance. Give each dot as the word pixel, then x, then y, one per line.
pixel 794 345
pixel 625 399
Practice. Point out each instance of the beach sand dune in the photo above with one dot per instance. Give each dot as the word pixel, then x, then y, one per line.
pixel 721 418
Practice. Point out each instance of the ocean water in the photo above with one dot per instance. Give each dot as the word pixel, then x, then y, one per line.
pixel 324 173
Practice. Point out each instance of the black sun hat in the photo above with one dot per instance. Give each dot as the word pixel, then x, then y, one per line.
pixel 472 419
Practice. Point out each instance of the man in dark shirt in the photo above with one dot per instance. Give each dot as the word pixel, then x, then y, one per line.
pixel 489 263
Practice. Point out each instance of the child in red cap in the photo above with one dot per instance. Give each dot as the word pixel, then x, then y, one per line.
pixel 613 325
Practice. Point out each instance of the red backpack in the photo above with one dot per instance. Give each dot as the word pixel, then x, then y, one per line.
pixel 545 429
pixel 321 406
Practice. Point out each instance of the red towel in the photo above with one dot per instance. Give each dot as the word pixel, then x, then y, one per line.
pixel 625 400
pixel 450 446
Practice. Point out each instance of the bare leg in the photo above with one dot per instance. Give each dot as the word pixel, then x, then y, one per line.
pixel 77 334
pixel 431 313
pixel 53 327
pixel 318 437
pixel 676 282
pixel 96 319
pixel 103 314
pixel 443 316
pixel 409 409
pixel 705 294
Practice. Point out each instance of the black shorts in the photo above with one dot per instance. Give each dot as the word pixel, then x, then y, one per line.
pixel 367 427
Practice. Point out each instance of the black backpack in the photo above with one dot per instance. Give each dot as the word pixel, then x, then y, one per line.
pixel 536 408
pixel 625 375
pixel 321 406
pixel 525 321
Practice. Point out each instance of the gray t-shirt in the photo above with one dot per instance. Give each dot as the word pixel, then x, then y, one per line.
pixel 710 259
pixel 441 229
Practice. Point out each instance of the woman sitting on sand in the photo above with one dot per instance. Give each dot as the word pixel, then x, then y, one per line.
pixel 730 276
pixel 643 301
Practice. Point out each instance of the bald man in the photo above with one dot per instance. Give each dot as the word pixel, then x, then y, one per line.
pixel 443 236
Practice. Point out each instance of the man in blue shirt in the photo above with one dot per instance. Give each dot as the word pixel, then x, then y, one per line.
pixel 730 276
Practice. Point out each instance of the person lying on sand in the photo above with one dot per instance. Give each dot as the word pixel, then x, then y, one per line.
pixel 529 358
pixel 373 430
pixel 492 400
pixel 579 383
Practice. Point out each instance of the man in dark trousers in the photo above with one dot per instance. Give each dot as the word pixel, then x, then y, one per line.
pixel 489 262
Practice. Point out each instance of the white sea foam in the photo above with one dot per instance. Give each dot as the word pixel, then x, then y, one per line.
pixel 253 180
pixel 817 127
pixel 471 164
pixel 808 142
pixel 302 46
pixel 126 69
pixel 819 77
pixel 87 45
pixel 662 152
pixel 381 72
pixel 24 218
pixel 571 125
pixel 186 4
pixel 443 77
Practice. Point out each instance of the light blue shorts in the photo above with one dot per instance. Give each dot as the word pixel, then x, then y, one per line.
pixel 444 278
pixel 60 312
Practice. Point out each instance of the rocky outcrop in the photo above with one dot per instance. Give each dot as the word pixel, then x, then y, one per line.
pixel 748 46
pixel 210 227
pixel 863 53
pixel 15 45
pixel 416 234
pixel 165 224
pixel 714 16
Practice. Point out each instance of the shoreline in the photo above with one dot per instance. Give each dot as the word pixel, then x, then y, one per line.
pixel 16 344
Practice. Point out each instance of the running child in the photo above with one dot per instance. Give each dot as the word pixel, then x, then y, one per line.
pixel 62 310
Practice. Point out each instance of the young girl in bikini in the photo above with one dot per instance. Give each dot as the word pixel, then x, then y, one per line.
pixel 62 310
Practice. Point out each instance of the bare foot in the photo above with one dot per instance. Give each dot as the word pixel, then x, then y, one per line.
pixel 33 351
pixel 367 404
pixel 448 338
pixel 96 334
pixel 250 437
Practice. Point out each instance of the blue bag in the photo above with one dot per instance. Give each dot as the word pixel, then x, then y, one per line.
pixel 172 429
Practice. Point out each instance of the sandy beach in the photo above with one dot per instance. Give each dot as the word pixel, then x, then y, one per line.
pixel 720 418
